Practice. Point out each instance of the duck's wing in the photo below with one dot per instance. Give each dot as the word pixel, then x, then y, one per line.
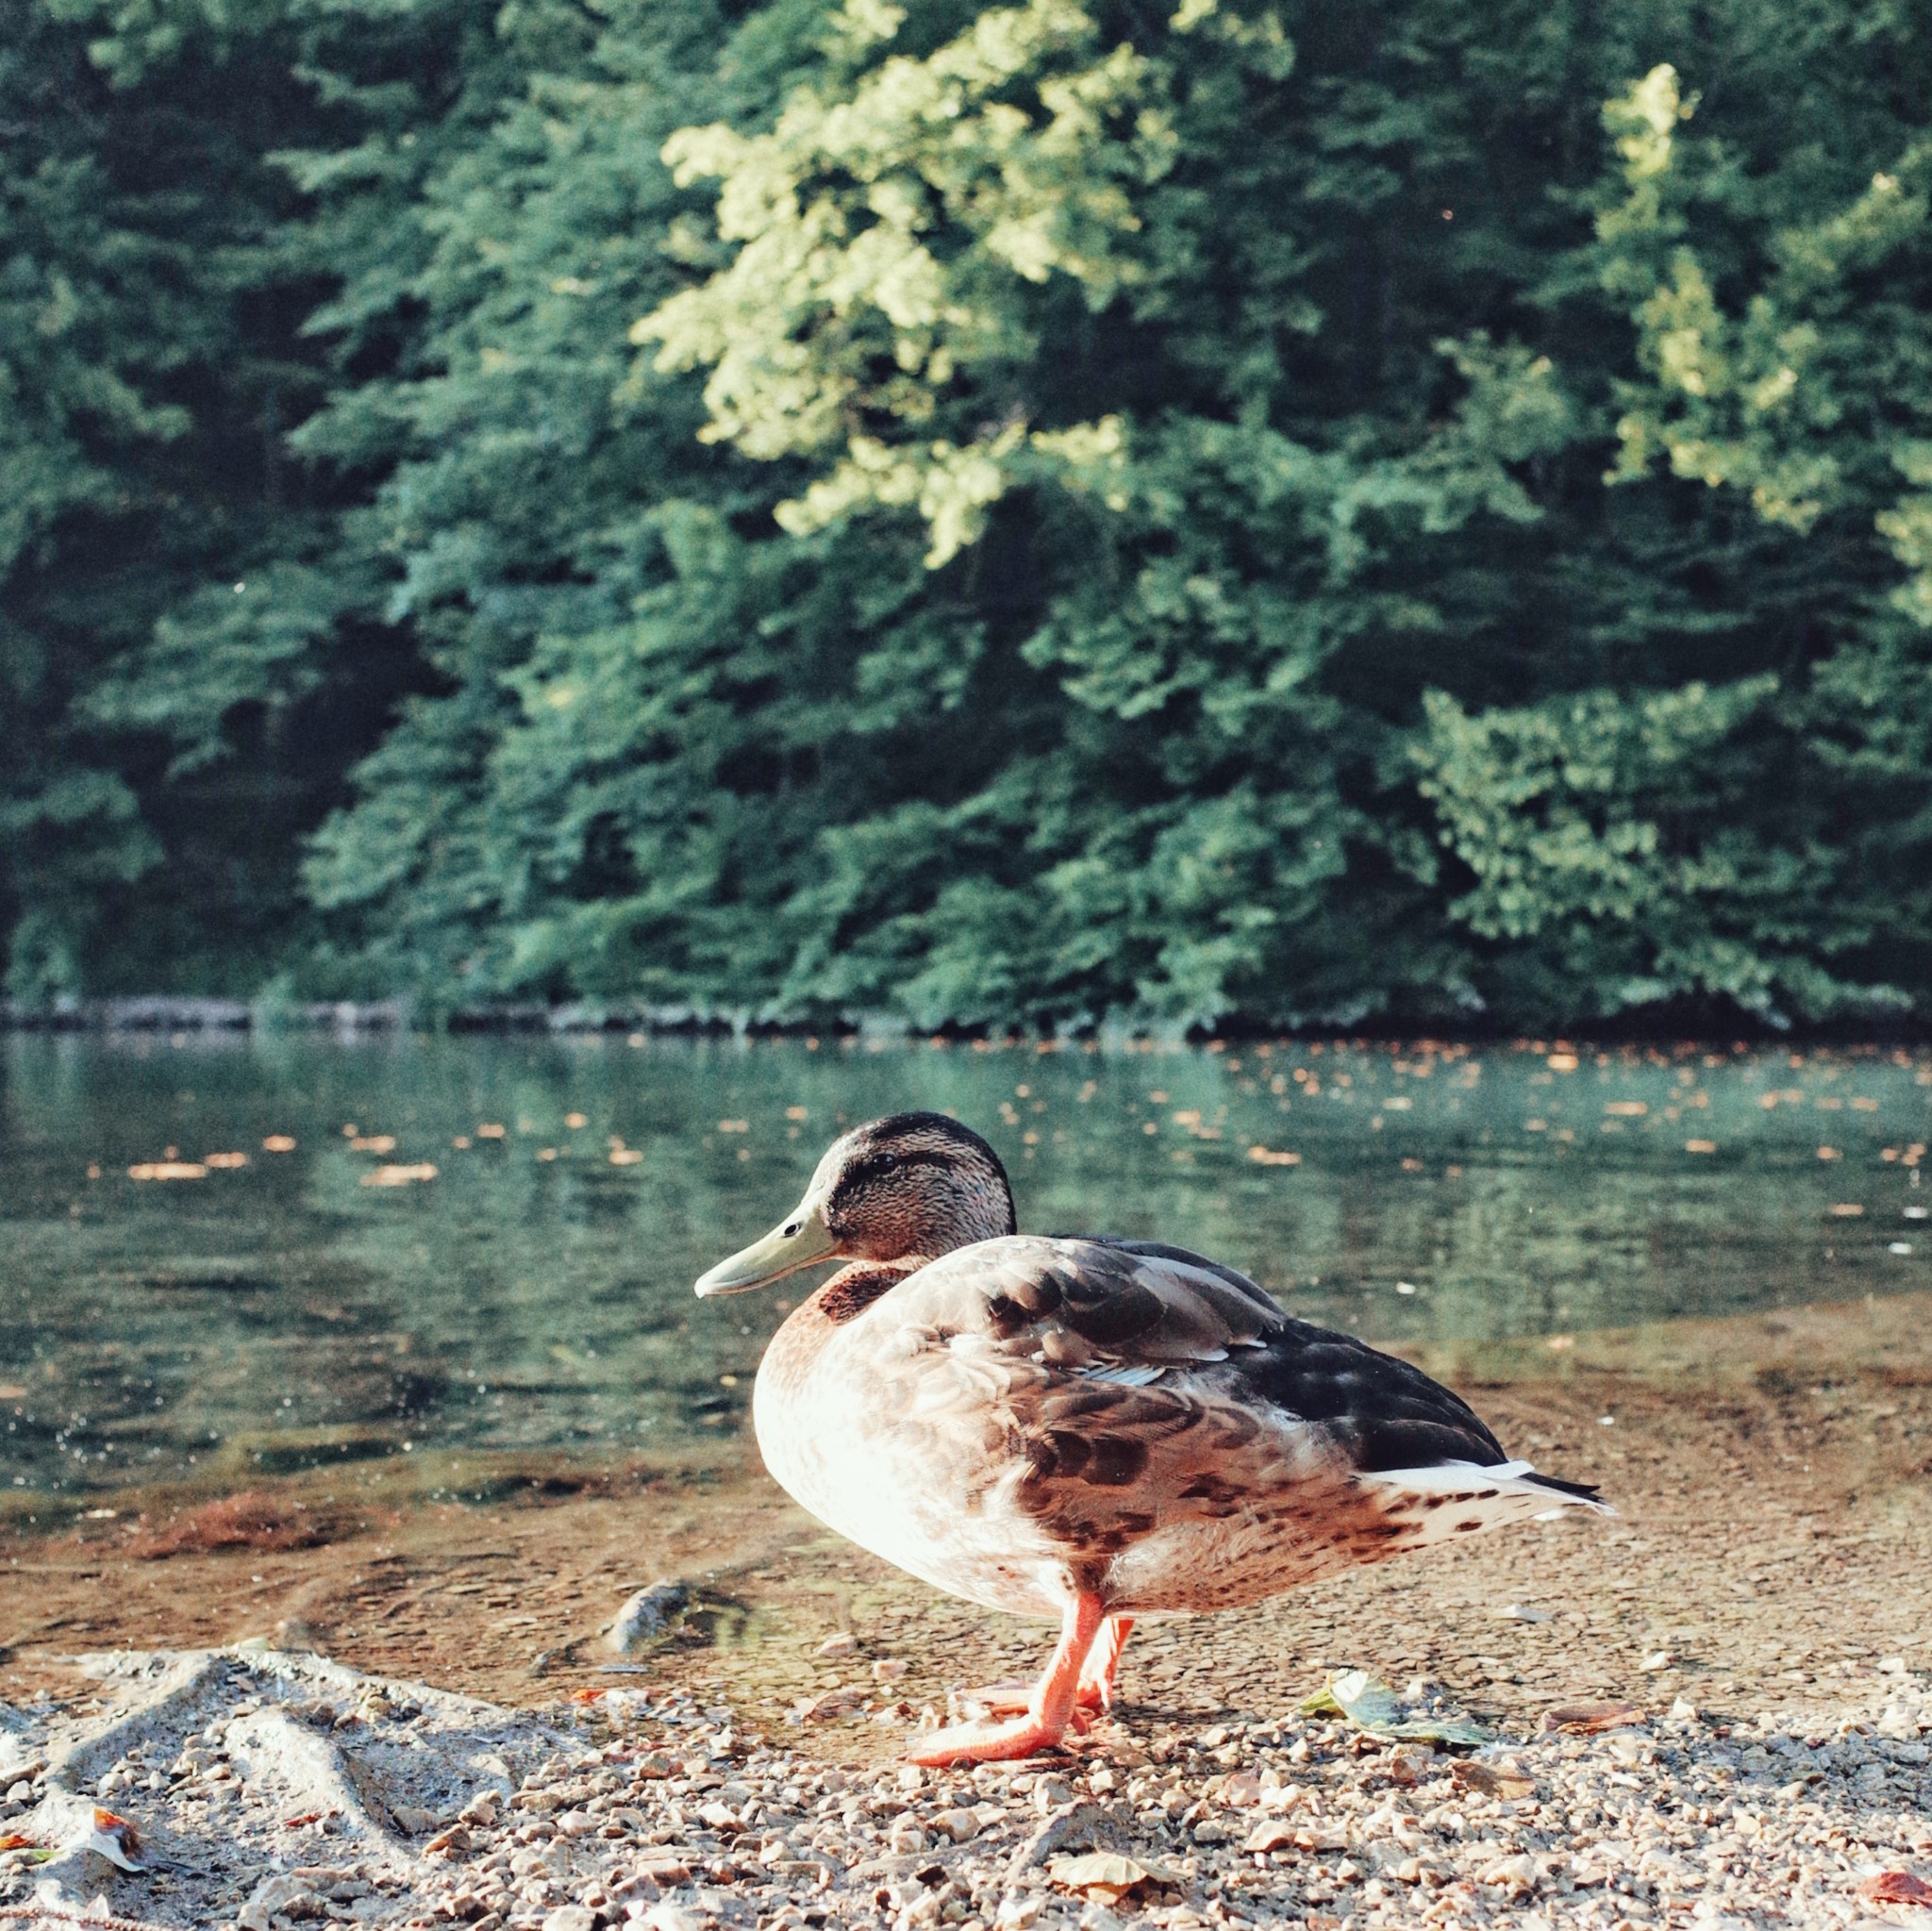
pixel 1155 1421
pixel 1098 1313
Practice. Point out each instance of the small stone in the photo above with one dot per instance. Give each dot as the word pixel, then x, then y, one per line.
pixel 959 1823
pixel 843 1644
pixel 669 1916
pixel 1274 1834
pixel 1516 1874
pixel 571 1918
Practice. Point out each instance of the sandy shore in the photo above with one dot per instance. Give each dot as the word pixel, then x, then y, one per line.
pixel 1760 1604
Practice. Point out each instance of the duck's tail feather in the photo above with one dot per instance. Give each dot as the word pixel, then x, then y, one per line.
pixel 1453 1498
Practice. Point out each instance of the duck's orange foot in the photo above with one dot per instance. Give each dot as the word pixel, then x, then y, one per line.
pixel 989 1742
pixel 1001 1699
pixel 1050 1712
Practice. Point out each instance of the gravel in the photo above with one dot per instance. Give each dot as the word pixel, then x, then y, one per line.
pixel 655 1804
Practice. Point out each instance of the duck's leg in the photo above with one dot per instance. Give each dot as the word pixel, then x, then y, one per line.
pixel 1049 1709
pixel 1102 1664
pixel 1097 1674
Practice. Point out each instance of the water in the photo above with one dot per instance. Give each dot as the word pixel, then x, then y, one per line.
pixel 534 1295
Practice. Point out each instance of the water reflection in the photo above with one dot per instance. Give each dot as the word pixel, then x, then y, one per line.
pixel 332 1300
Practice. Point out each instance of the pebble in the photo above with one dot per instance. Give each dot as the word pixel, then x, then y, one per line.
pixel 667 1812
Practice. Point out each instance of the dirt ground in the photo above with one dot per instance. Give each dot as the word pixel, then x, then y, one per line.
pixel 1774 1478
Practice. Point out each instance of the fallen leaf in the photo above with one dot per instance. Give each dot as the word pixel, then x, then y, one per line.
pixel 398 1175
pixel 1375 1709
pixel 297 1822
pixel 1895 1888
pixel 12 1841
pixel 116 1839
pixel 1493 1779
pixel 168 1169
pixel 1587 1719
pixel 1105 1871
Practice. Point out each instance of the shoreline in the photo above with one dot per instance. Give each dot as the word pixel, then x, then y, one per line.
pixel 1757 1606
pixel 207 1017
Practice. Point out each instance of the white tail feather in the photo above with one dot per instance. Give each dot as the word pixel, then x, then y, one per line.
pixel 1452 1498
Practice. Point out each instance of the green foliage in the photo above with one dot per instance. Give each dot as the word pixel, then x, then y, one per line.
pixel 1016 513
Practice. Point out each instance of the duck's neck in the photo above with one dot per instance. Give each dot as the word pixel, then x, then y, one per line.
pixel 827 1308
pixel 855 1288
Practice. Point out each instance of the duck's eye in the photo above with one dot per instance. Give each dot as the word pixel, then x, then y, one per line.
pixel 795 1228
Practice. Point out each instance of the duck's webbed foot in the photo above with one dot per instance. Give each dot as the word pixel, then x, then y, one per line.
pixel 993 1743
pixel 1050 1711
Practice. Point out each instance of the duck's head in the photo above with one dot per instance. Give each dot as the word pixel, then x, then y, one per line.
pixel 912 1186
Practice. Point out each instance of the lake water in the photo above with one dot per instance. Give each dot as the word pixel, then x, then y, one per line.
pixel 476 1247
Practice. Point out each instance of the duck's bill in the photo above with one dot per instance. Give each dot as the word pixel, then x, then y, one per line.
pixel 800 1241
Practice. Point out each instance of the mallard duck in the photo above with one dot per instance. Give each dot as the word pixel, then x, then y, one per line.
pixel 1087 1429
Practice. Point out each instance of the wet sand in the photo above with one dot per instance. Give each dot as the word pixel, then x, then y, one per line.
pixel 1775 1536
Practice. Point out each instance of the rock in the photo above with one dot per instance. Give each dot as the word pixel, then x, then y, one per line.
pixel 1515 1874
pixel 281 1893
pixel 670 1916
pixel 959 1823
pixel 571 1918
pixel 1276 1834
pixel 647 1615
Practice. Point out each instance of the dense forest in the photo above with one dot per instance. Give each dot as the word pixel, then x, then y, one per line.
pixel 1022 514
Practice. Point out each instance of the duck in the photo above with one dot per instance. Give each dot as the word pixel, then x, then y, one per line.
pixel 1088 1429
